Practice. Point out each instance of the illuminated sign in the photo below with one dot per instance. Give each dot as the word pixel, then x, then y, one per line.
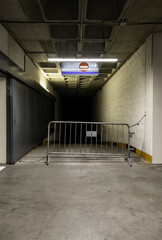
pixel 80 68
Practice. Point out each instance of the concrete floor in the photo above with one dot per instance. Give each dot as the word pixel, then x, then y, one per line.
pixel 80 200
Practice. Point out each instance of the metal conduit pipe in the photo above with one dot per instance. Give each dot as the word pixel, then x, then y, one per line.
pixel 126 10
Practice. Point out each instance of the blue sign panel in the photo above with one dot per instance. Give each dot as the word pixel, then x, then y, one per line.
pixel 80 68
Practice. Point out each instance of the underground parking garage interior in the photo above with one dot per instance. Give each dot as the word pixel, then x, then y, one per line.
pixel 80 119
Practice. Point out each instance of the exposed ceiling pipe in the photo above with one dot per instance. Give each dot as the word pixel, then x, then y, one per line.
pixel 127 8
pixel 83 6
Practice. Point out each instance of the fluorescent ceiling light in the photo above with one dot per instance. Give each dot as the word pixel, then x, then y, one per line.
pixel 82 59
pixel 68 69
pixel 56 77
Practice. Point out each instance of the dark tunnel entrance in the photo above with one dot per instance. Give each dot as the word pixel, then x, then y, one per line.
pixel 76 110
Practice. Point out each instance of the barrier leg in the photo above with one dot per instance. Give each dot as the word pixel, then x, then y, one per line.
pixel 128 160
pixel 128 155
pixel 48 159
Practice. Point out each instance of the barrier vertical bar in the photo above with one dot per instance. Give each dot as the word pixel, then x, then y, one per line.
pixel 101 134
pixel 106 135
pixel 48 156
pixel 54 135
pixel 59 135
pixel 64 137
pixel 75 135
pixel 122 138
pixel 112 136
pixel 70 139
pixel 86 139
pixel 80 136
pixel 117 137
pixel 91 137
pixel 128 154
pixel 96 136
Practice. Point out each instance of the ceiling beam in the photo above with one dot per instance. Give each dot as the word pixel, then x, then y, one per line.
pixel 111 23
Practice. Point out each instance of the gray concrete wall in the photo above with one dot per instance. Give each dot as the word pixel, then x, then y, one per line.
pixel 2 120
pixel 128 95
pixel 16 62
pixel 157 97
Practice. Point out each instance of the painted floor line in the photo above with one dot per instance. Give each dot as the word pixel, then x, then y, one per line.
pixel 1 168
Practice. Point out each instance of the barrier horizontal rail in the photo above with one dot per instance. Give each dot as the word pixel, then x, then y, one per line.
pixel 99 138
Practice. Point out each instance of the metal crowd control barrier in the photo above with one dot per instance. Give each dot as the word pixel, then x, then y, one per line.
pixel 110 139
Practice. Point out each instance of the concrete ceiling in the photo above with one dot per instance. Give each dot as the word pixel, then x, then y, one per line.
pixel 80 28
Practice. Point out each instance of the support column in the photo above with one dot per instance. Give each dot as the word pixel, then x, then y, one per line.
pixel 3 120
pixel 157 98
